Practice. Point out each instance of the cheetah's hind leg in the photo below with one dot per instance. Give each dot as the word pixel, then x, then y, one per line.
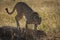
pixel 18 26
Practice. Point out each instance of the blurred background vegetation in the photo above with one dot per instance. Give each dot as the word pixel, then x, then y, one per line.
pixel 49 11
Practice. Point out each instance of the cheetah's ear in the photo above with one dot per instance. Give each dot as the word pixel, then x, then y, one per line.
pixel 36 13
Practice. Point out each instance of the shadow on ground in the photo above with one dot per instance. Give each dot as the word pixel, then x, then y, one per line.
pixel 12 33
